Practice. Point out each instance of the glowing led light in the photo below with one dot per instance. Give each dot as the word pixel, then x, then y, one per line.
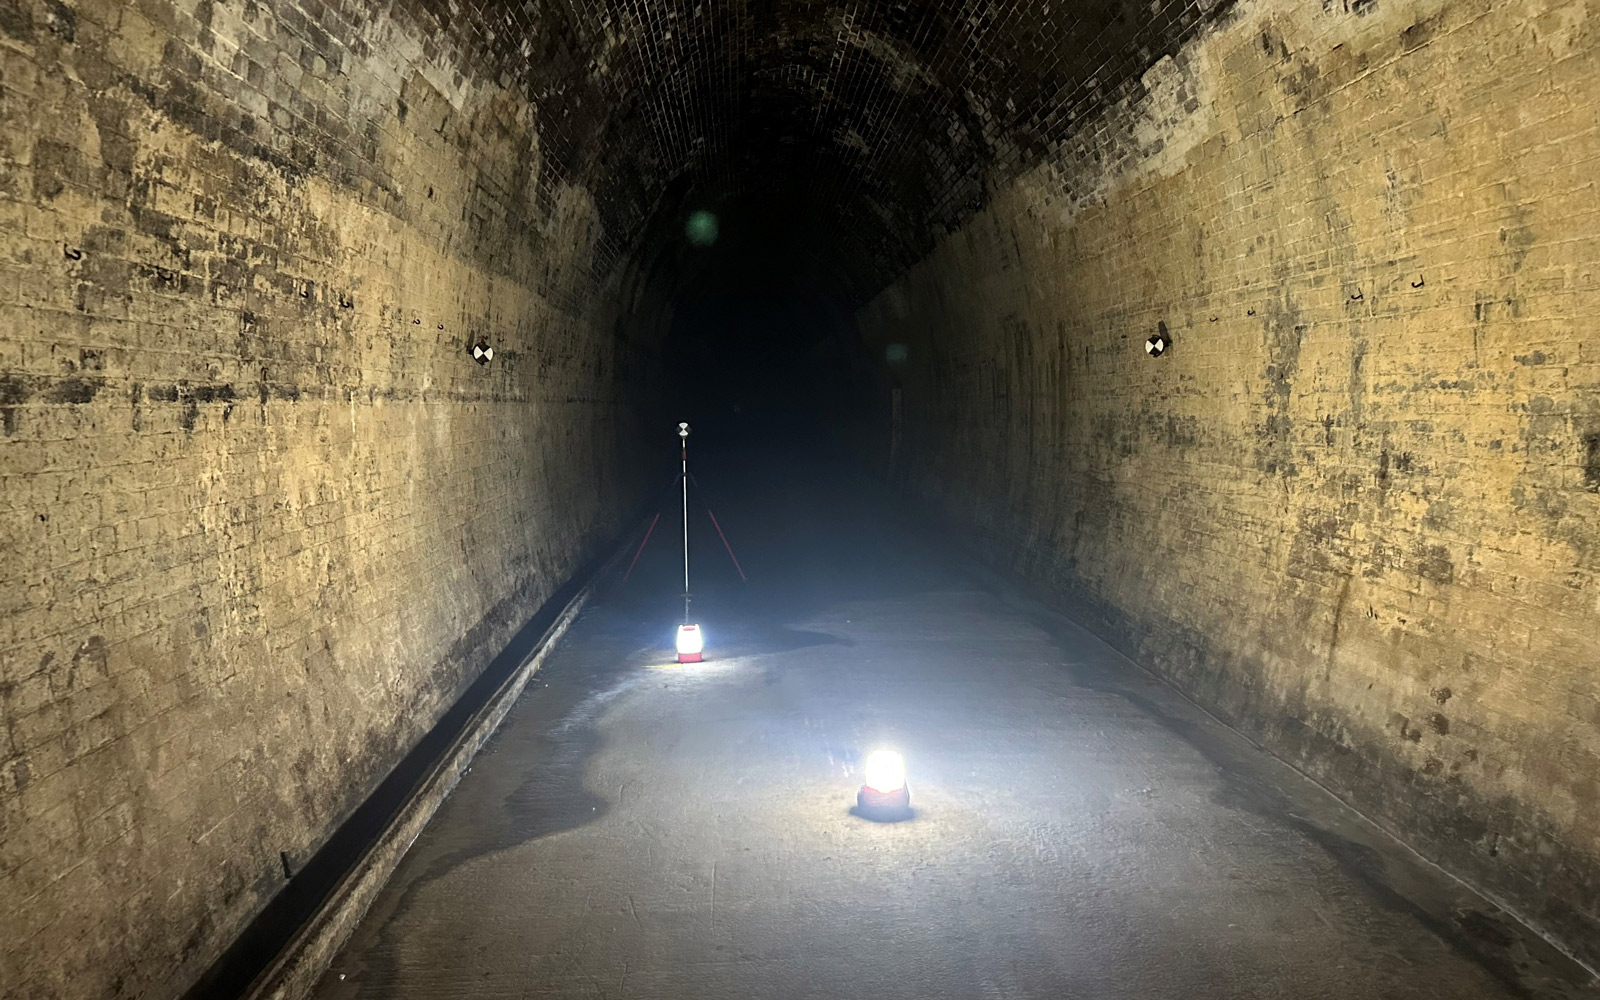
pixel 690 643
pixel 886 771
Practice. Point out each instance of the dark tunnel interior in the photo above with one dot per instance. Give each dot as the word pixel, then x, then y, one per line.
pixel 1173 424
pixel 762 337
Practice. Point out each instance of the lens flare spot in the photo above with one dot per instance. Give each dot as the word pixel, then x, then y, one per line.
pixel 701 228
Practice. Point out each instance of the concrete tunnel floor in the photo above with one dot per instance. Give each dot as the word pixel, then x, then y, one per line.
pixel 639 828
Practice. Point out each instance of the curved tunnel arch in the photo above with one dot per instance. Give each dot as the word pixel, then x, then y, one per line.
pixel 891 121
pixel 836 144
pixel 268 516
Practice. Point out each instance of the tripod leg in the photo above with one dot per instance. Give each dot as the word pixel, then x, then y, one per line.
pixel 727 546
pixel 642 544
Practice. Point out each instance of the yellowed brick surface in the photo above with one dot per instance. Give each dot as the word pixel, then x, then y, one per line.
pixel 1356 506
pixel 262 517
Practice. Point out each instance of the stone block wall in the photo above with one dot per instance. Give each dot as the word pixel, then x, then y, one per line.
pixel 1355 507
pixel 262 516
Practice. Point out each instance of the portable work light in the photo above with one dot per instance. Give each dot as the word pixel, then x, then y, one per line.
pixel 690 643
pixel 885 785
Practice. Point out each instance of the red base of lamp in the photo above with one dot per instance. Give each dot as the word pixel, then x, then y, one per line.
pixel 871 798
pixel 688 657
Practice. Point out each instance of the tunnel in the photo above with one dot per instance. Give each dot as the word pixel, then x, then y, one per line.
pixel 1170 426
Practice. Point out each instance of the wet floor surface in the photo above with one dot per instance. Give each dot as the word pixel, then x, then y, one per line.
pixel 639 828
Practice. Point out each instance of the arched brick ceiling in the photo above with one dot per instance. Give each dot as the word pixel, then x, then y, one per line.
pixel 874 125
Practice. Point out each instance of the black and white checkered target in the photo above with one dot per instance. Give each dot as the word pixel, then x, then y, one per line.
pixel 1156 345
pixel 482 353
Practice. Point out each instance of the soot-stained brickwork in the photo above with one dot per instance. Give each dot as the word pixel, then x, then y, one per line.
pixel 1354 505
pixel 888 120
pixel 262 516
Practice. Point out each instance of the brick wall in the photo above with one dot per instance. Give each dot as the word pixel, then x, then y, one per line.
pixel 1356 506
pixel 262 517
